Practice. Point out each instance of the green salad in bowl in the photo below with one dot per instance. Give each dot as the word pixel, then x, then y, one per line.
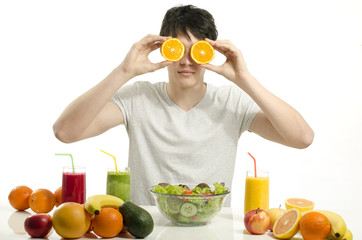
pixel 190 206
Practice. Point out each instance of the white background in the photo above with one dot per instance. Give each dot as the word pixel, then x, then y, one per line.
pixel 309 53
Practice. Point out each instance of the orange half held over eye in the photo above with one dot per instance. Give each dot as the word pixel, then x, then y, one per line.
pixel 202 52
pixel 172 49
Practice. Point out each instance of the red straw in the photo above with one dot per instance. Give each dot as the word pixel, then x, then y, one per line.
pixel 254 163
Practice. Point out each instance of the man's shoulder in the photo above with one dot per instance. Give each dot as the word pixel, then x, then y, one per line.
pixel 139 89
pixel 230 95
pixel 146 85
pixel 224 90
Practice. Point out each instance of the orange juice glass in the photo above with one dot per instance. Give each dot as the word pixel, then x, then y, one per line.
pixel 256 191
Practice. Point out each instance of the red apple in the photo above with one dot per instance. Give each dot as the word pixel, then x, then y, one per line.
pixel 38 225
pixel 257 221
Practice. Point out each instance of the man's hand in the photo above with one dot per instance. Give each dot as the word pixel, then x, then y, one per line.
pixel 277 121
pixel 137 62
pixel 234 68
pixel 91 113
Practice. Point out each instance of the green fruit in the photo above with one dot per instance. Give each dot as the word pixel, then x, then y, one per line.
pixel 136 220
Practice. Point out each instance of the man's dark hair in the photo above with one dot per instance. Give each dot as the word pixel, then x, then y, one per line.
pixel 179 20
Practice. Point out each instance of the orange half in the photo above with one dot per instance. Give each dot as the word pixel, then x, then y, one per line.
pixel 172 49
pixel 301 204
pixel 287 224
pixel 202 52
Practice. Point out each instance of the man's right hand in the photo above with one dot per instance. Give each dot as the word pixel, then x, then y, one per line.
pixel 91 113
pixel 137 62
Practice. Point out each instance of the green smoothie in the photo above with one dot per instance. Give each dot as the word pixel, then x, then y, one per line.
pixel 118 184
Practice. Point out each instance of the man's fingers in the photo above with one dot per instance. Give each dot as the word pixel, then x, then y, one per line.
pixel 155 46
pixel 157 66
pixel 151 38
pixel 151 42
pixel 212 67
pixel 222 46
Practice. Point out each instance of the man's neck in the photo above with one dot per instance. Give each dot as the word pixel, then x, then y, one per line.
pixel 186 98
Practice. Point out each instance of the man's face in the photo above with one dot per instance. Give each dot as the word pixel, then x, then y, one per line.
pixel 186 73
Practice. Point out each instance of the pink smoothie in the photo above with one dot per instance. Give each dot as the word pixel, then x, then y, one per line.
pixel 74 187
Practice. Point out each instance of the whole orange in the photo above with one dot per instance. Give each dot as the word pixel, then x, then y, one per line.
pixel 58 196
pixel 108 223
pixel 314 226
pixel 41 201
pixel 71 220
pixel 19 197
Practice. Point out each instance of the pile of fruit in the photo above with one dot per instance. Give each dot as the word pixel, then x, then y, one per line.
pixel 104 215
pixel 299 216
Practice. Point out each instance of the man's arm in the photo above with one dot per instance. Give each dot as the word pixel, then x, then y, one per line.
pixel 277 121
pixel 92 114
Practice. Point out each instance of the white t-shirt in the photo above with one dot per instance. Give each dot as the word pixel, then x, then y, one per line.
pixel 168 144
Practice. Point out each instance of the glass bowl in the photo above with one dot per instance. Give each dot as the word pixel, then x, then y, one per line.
pixel 189 210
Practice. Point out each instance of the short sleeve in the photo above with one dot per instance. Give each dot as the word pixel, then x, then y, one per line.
pixel 245 108
pixel 123 98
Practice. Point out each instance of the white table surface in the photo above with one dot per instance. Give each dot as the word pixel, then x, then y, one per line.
pixel 228 224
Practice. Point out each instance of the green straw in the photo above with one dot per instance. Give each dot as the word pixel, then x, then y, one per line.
pixel 115 162
pixel 67 154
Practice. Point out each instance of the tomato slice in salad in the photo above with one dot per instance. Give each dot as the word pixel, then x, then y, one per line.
pixel 209 193
pixel 187 191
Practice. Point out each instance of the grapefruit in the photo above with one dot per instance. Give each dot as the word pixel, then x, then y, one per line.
pixel 71 220
pixel 274 214
pixel 287 225
pixel 301 204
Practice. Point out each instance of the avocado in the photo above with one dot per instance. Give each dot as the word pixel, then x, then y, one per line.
pixel 136 220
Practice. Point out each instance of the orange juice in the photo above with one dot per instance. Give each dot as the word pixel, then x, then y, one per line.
pixel 256 191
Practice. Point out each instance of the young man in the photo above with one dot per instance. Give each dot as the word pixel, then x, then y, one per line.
pixel 184 130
